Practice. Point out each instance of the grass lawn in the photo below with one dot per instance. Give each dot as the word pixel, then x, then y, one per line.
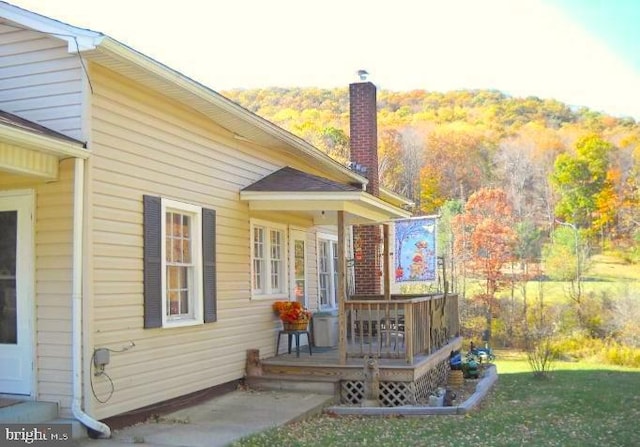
pixel 607 275
pixel 581 405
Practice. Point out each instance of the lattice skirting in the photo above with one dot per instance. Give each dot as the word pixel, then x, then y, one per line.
pixel 395 394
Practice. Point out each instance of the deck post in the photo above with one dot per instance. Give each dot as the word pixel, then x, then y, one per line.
pixel 409 331
pixel 386 277
pixel 371 382
pixel 253 363
pixel 342 290
pixel 386 262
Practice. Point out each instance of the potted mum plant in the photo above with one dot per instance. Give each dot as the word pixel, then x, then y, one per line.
pixel 293 315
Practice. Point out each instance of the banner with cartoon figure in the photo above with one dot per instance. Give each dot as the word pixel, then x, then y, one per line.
pixel 415 249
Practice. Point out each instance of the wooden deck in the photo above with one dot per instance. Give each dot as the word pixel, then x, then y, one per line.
pixel 325 363
pixel 397 349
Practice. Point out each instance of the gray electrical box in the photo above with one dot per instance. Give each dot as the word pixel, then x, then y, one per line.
pixel 101 357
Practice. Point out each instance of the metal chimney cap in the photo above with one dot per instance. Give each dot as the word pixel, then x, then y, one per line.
pixel 363 74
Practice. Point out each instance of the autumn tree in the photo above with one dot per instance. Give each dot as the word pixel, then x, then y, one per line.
pixel 336 143
pixel 401 155
pixel 445 236
pixel 583 184
pixel 527 253
pixel 457 160
pixel 485 239
pixel 566 258
pixel 627 168
pixel 523 164
pixel 389 164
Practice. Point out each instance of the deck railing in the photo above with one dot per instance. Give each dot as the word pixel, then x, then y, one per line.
pixel 402 327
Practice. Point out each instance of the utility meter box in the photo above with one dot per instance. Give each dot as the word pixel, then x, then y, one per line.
pixel 325 329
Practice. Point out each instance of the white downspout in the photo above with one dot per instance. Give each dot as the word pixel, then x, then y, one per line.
pixel 103 430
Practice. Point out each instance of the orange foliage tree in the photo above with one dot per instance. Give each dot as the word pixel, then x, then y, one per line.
pixel 485 240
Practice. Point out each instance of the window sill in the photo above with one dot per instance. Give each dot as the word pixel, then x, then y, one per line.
pixel 181 323
pixel 279 296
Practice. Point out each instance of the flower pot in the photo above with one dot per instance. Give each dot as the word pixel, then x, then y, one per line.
pixel 300 325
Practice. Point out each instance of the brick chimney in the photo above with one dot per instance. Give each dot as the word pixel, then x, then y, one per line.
pixel 363 126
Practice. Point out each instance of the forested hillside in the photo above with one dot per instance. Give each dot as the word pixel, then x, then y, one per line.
pixel 435 147
pixel 528 191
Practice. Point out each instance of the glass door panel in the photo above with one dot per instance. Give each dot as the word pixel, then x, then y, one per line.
pixel 8 314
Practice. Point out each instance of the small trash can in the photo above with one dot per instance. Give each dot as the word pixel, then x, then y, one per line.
pixel 325 329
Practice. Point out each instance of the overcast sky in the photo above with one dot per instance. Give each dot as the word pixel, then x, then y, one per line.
pixel 582 52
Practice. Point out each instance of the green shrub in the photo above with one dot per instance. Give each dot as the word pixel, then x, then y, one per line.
pixel 621 355
pixel 583 347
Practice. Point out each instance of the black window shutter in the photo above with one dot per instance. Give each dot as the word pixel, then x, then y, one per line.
pixel 209 265
pixel 152 262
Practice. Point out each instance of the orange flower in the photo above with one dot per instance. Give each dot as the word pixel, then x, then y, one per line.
pixel 291 311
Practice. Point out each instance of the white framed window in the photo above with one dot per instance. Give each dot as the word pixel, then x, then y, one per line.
pixel 268 260
pixel 328 270
pixel 182 270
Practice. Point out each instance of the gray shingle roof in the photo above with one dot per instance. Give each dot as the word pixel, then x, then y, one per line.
pixel 10 119
pixel 290 179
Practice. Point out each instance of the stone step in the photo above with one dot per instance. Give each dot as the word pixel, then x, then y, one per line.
pixel 46 413
pixel 29 412
pixel 295 382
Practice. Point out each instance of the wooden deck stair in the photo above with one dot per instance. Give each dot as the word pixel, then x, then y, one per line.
pixel 303 383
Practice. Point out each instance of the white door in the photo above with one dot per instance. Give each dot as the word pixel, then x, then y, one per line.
pixel 16 260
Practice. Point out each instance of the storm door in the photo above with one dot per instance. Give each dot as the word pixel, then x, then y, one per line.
pixel 16 350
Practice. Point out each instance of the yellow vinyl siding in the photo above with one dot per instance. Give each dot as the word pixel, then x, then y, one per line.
pixel 144 144
pixel 53 239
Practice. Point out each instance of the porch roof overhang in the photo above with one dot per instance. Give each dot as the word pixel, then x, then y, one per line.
pixel 290 190
pixel 30 150
pixel 360 207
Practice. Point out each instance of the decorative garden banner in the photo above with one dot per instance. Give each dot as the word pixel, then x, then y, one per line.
pixel 415 251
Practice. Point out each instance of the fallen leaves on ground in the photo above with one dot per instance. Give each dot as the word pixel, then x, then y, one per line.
pixel 577 407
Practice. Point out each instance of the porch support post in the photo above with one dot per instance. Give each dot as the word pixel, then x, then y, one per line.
pixel 386 261
pixel 342 291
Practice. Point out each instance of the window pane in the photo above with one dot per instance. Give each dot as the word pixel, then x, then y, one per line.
pixel 299 271
pixel 275 276
pixel 176 250
pixel 173 306
pixel 334 268
pixel 8 304
pixel 178 238
pixel 176 229
pixel 276 244
pixel 323 273
pixel 184 301
pixel 172 278
pixel 258 242
pixel 186 239
pixel 257 275
pixel 168 239
pixel 178 282
pixel 275 239
pixel 258 259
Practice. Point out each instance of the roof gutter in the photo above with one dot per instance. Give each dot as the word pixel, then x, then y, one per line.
pixel 43 143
